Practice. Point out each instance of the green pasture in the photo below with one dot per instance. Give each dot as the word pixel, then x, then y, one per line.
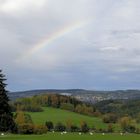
pixel 59 115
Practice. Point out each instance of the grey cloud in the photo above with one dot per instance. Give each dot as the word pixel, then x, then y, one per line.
pixel 103 54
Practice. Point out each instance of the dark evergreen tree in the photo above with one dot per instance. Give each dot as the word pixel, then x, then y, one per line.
pixel 6 118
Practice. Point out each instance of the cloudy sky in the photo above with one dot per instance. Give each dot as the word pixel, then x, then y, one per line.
pixel 91 44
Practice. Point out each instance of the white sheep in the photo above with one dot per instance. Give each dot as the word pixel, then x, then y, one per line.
pixel 121 134
pixel 91 133
pixel 2 134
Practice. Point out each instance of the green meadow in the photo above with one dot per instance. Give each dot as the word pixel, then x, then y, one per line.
pixel 59 115
pixel 71 136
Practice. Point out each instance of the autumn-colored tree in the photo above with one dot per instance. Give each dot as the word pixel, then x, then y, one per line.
pixel 110 118
pixel 22 118
pixel 54 100
pixel 79 108
pixel 63 99
pixel 127 124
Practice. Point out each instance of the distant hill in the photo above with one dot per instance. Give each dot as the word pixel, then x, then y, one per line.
pixel 20 94
pixel 90 96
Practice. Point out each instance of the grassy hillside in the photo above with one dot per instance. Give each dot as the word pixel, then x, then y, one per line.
pixel 71 136
pixel 59 115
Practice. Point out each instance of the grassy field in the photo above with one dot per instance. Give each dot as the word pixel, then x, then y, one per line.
pixel 73 136
pixel 59 115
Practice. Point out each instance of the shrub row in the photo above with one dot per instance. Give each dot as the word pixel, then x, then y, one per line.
pixel 28 128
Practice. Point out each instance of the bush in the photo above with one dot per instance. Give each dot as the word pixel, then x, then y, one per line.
pixel 100 130
pixel 32 108
pixel 60 127
pixel 84 127
pixel 97 114
pixel 110 118
pixel 130 129
pixel 32 129
pixel 67 106
pixel 49 125
pixel 25 129
pixel 137 131
pixel 110 128
pixel 40 129
pixel 28 104
pixel 127 124
pixel 74 128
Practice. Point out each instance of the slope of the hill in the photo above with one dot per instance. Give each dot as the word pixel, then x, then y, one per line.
pixel 59 115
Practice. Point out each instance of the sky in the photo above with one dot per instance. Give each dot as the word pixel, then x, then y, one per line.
pixel 63 44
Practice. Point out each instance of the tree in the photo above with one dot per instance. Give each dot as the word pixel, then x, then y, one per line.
pixel 6 118
pixel 22 118
pixel 54 101
pixel 125 122
pixel 79 108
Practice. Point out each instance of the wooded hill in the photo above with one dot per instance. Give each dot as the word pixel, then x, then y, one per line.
pixel 90 96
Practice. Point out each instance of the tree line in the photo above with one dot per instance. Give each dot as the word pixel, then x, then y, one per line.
pixel 35 104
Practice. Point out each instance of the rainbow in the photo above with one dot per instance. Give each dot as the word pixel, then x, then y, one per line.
pixel 54 36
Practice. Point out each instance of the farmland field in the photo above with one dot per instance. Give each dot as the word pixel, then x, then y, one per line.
pixel 71 136
pixel 59 115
